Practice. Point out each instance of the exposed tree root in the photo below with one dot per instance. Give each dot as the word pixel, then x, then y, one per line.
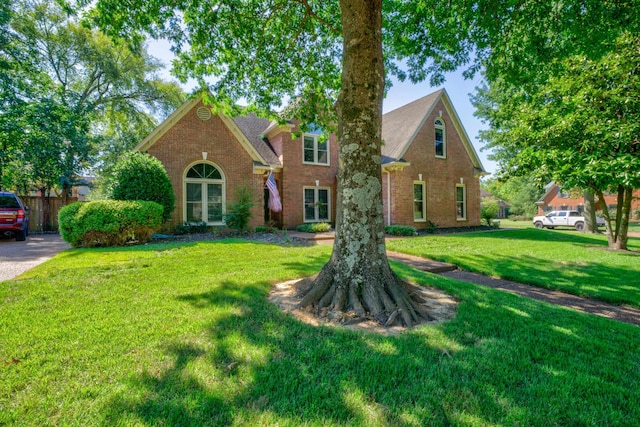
pixel 378 295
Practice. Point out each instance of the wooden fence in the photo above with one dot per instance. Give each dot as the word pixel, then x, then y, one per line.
pixel 43 216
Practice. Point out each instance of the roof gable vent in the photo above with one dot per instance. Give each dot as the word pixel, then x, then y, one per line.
pixel 203 113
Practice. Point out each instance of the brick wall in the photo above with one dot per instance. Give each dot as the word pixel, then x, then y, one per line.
pixel 185 141
pixel 297 175
pixel 182 146
pixel 440 176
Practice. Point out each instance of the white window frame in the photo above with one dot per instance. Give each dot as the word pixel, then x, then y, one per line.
pixel 423 201
pixel 203 182
pixel 464 202
pixel 315 161
pixel 315 198
pixel 442 127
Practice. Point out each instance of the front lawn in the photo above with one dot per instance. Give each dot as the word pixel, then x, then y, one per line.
pixel 569 261
pixel 182 334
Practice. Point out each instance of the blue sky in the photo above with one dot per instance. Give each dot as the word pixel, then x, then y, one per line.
pixel 400 94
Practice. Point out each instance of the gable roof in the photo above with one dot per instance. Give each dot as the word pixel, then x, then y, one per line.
pixel 253 128
pixel 399 129
pixel 247 129
pixel 401 126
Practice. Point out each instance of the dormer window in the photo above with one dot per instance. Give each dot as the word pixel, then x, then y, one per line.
pixel 315 149
pixel 440 139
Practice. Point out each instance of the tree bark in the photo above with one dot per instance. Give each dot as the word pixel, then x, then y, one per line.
pixel 358 277
pixel 591 226
pixel 618 227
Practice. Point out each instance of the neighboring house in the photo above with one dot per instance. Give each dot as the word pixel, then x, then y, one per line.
pixel 503 211
pixel 558 199
pixel 430 168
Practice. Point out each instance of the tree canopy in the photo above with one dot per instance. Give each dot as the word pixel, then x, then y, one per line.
pixel 582 128
pixel 332 60
pixel 68 93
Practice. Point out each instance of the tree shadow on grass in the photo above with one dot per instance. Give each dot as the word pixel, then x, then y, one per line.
pixel 591 279
pixel 532 234
pixel 501 361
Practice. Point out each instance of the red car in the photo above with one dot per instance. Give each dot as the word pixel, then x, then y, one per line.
pixel 14 216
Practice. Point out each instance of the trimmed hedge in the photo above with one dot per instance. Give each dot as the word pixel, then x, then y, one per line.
pixel 316 227
pixel 109 222
pixel 400 230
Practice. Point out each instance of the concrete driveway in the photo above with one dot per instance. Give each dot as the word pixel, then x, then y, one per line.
pixel 18 257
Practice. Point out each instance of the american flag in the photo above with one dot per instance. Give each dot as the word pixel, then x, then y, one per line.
pixel 274 197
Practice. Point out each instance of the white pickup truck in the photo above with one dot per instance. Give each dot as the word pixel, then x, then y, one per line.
pixel 573 219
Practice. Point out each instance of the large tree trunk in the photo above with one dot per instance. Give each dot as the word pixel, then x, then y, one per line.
pixel 358 276
pixel 591 226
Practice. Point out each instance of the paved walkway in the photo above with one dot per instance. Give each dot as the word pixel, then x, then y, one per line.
pixel 18 257
pixel 622 313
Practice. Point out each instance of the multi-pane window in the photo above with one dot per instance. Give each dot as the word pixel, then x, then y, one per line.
pixel 440 141
pixel 419 201
pixel 461 202
pixel 315 149
pixel 204 194
pixel 316 204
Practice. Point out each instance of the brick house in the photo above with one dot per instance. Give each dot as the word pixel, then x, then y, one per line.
pixel 430 168
pixel 556 198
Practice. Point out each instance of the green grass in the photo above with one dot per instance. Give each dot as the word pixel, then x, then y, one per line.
pixel 634 226
pixel 573 262
pixel 182 334
pixel 509 223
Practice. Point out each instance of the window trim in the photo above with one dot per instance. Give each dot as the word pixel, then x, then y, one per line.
pixel 204 182
pixel 315 198
pixel 424 201
pixel 315 137
pixel 464 202
pixel 442 126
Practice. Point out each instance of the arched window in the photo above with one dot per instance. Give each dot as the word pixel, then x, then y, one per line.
pixel 204 190
pixel 440 138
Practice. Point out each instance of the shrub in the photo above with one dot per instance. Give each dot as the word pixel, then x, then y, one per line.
pixel 138 176
pixel 239 212
pixel 400 230
pixel 109 222
pixel 636 214
pixel 431 227
pixel 489 210
pixel 316 227
pixel 189 228
pixel 266 229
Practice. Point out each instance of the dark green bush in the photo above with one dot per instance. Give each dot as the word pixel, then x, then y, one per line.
pixel 109 222
pixel 431 227
pixel 316 227
pixel 138 176
pixel 400 230
pixel 239 212
pixel 188 228
pixel 266 229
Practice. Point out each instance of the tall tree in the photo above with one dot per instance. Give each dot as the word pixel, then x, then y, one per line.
pixel 75 83
pixel 582 128
pixel 522 193
pixel 341 51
